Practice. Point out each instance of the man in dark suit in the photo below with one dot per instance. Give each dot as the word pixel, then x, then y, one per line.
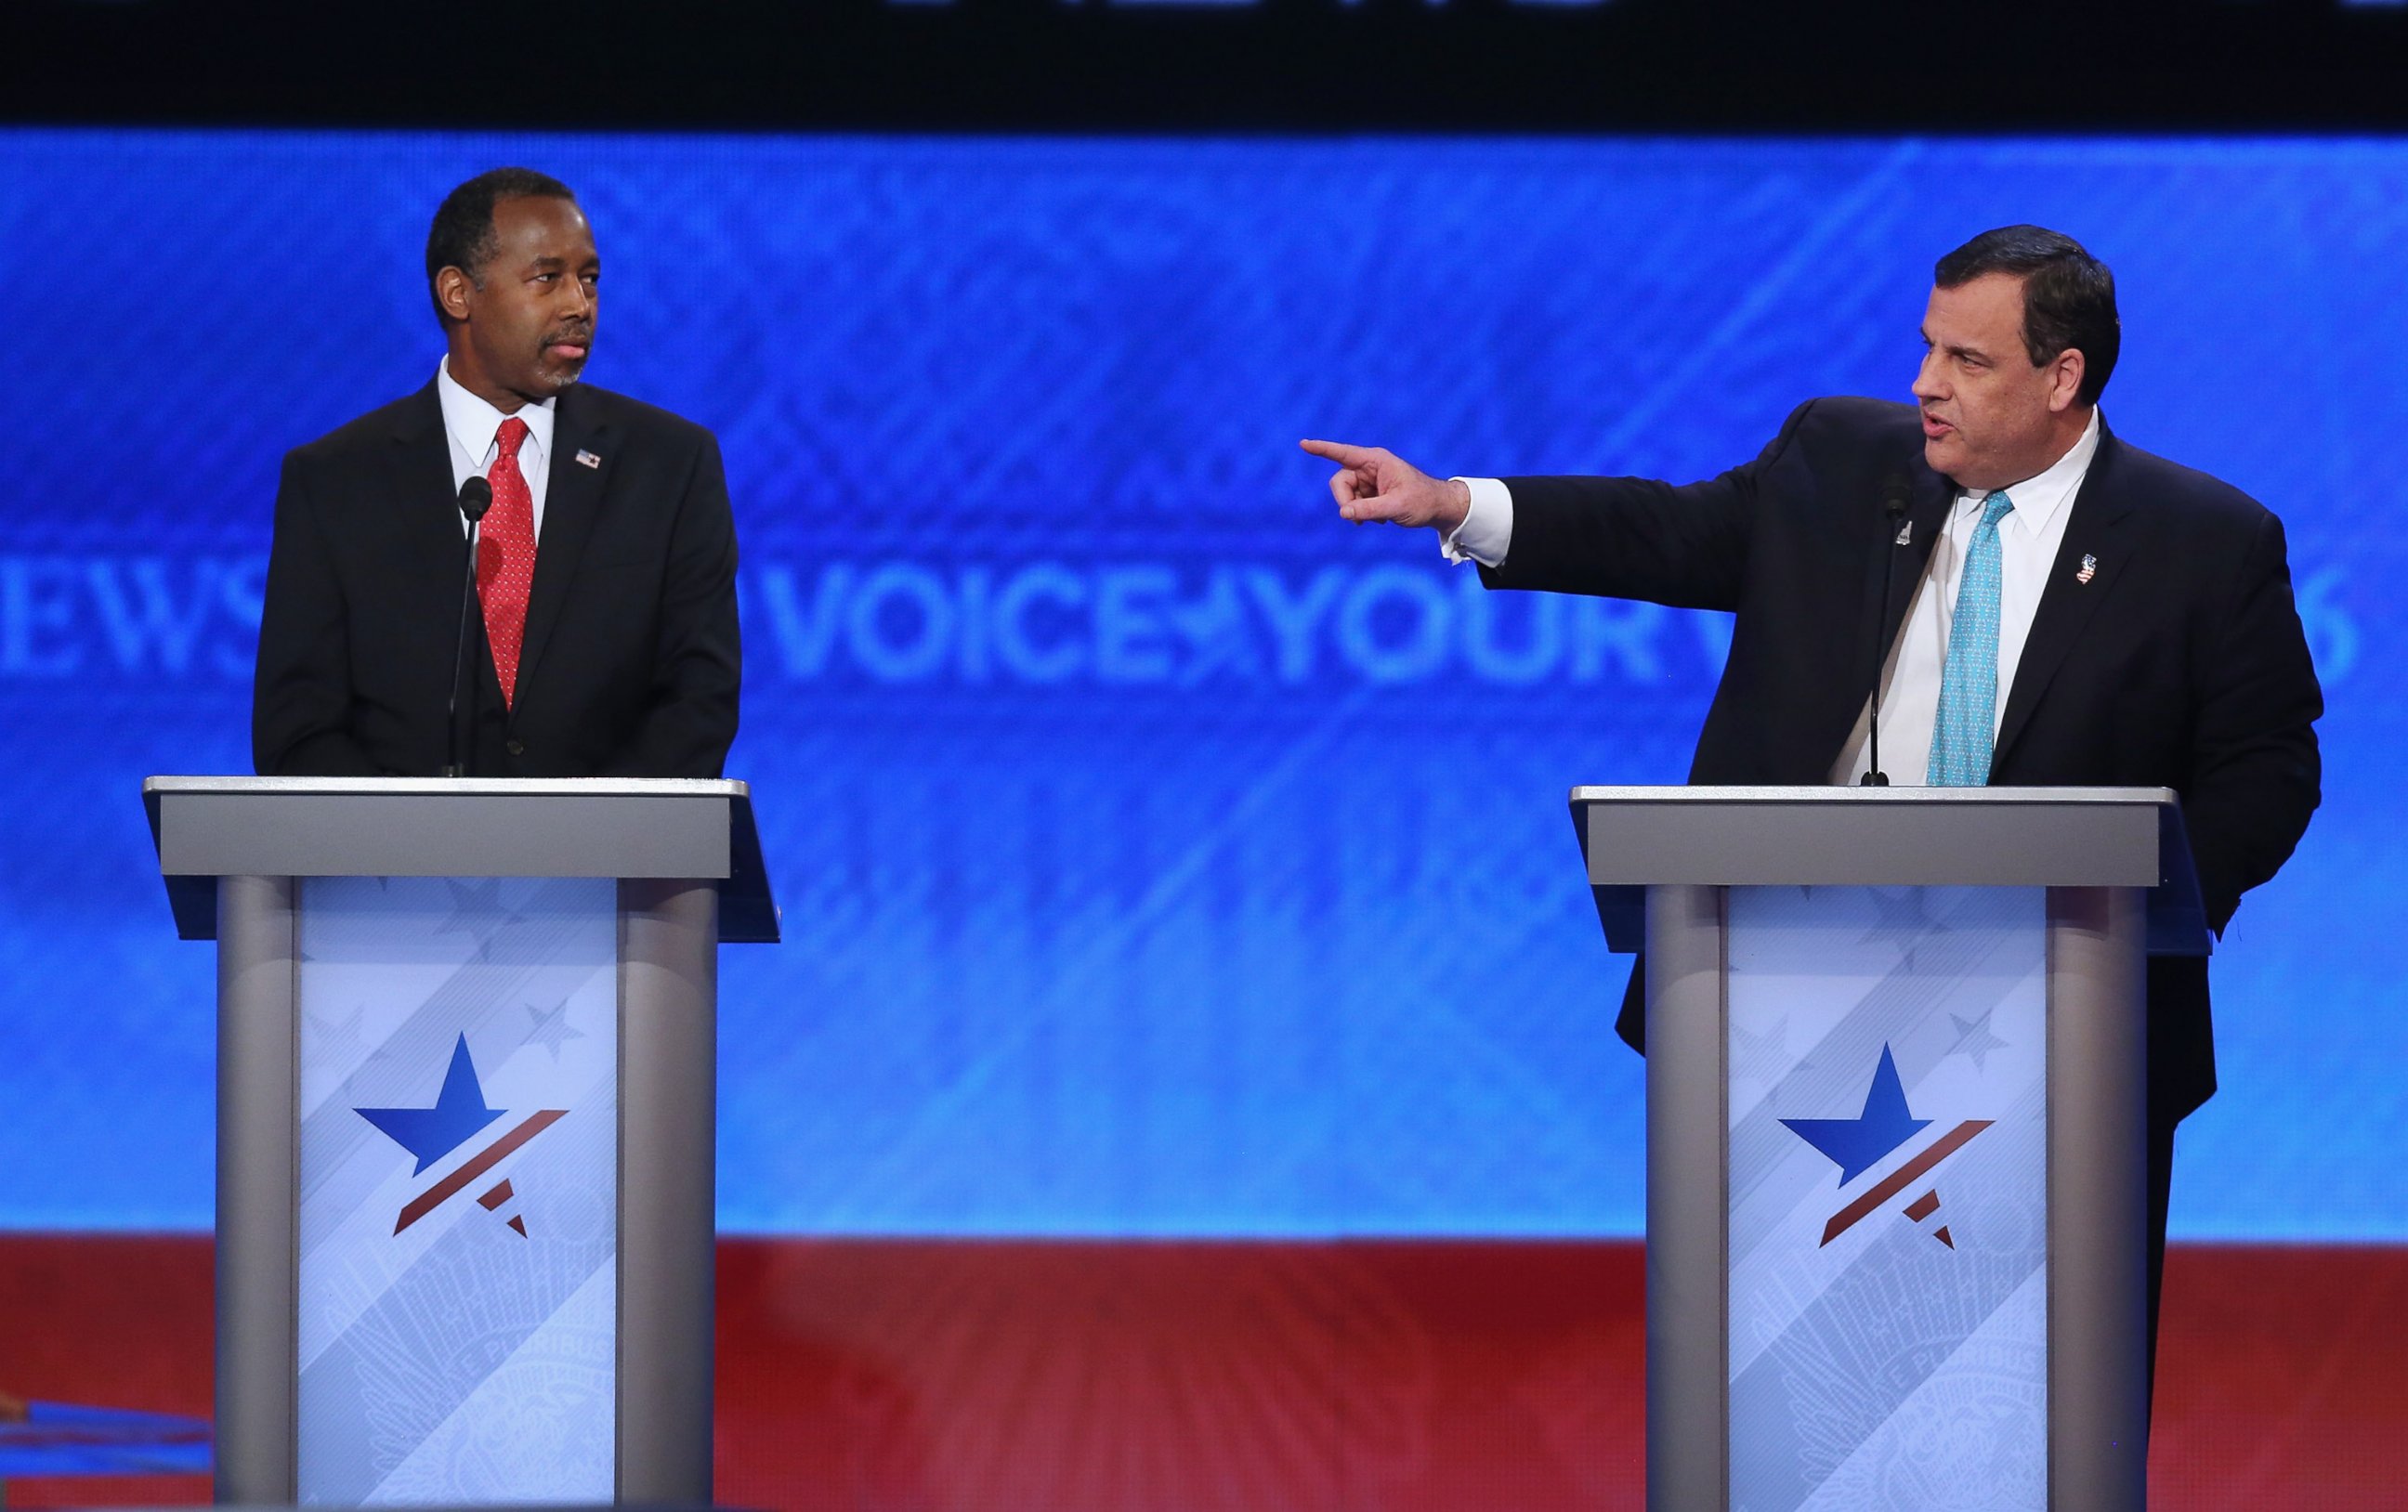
pixel 607 641
pixel 2137 624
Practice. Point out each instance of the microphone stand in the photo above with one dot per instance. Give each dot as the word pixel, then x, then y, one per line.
pixel 1895 493
pixel 476 497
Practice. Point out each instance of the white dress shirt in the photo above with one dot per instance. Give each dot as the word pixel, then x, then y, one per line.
pixel 473 427
pixel 2028 537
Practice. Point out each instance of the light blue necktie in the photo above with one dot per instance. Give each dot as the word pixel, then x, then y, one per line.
pixel 1969 684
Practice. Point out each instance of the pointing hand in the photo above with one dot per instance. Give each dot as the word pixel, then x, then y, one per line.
pixel 1373 483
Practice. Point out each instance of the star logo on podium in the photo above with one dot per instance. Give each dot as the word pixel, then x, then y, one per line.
pixel 1975 1040
pixel 477 912
pixel 459 1115
pixel 1884 1126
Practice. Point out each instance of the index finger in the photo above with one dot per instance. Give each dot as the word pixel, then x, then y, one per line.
pixel 1341 453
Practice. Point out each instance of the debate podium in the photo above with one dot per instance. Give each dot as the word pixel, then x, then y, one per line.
pixel 1896 1164
pixel 466 1073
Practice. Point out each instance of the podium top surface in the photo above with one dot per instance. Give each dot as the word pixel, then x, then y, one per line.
pixel 209 827
pixel 1634 837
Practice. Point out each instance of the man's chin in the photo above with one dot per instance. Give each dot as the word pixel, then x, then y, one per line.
pixel 1942 454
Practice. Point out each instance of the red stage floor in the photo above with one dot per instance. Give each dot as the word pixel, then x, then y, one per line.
pixel 966 1377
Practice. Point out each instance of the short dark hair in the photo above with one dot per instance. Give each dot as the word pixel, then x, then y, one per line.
pixel 2068 295
pixel 462 236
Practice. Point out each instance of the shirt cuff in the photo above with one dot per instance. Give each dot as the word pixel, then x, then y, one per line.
pixel 1487 529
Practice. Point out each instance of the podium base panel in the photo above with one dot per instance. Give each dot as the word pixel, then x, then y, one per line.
pixel 1954 1079
pixel 546 1051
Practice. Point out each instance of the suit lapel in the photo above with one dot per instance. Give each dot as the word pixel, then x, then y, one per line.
pixel 433 545
pixel 572 502
pixel 1926 512
pixel 2098 528
pixel 1926 517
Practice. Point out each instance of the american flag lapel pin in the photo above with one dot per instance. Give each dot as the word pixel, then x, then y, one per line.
pixel 2090 569
pixel 587 459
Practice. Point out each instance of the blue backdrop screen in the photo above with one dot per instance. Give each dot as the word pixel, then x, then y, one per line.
pixel 1160 855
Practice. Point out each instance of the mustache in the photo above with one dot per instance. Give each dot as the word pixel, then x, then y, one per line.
pixel 574 335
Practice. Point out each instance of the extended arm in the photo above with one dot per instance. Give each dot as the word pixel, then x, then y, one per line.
pixel 1686 546
pixel 1621 537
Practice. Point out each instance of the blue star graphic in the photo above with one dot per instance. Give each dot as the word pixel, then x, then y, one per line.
pixel 432 1133
pixel 1902 920
pixel 1858 1144
pixel 1974 1038
pixel 1215 626
pixel 477 912
pixel 551 1029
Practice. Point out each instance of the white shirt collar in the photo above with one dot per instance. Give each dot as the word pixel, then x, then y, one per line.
pixel 472 423
pixel 2037 499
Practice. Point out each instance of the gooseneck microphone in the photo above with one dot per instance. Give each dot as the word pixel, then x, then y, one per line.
pixel 476 497
pixel 1895 491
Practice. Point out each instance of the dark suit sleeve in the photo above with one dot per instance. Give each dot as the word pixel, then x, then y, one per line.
pixel 1633 537
pixel 689 720
pixel 301 693
pixel 2256 774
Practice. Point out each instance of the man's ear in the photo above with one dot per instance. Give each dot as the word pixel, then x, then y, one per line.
pixel 2065 379
pixel 452 289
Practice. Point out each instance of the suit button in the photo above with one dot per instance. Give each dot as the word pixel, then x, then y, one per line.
pixel 516 748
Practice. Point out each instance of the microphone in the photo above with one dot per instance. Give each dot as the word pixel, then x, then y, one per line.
pixel 476 497
pixel 1896 491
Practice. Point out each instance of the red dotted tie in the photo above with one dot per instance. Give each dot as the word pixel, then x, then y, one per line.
pixel 505 556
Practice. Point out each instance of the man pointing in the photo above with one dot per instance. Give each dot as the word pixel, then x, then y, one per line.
pixel 2067 610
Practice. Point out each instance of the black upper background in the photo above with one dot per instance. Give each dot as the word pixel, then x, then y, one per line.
pixel 1276 66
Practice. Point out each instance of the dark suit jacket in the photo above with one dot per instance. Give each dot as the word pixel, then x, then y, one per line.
pixel 2181 663
pixel 630 663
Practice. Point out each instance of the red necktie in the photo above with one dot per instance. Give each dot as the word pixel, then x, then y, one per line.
pixel 505 556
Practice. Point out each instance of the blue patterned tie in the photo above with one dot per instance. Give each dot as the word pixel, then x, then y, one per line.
pixel 1969 684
